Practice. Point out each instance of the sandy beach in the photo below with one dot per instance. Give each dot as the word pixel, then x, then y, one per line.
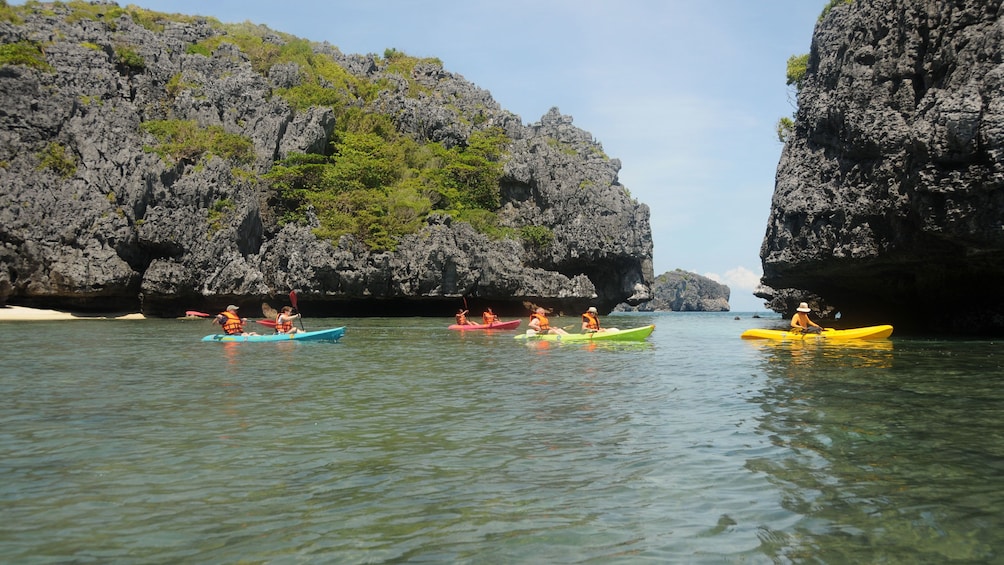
pixel 22 314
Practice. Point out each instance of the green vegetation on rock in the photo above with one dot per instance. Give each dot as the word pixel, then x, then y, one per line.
pixel 830 5
pixel 109 13
pixel 797 67
pixel 217 214
pixel 58 159
pixel 26 53
pixel 380 185
pixel 129 58
pixel 9 13
pixel 183 140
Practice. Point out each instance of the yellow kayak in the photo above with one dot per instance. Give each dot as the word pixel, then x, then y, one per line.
pixel 867 332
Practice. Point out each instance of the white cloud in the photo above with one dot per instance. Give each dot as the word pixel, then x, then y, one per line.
pixel 737 279
pixel 741 278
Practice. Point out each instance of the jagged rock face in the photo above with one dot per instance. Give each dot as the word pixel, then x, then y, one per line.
pixel 683 291
pixel 125 230
pixel 888 204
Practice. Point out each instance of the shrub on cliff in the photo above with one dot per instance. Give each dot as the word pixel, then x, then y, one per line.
pixel 184 140
pixel 25 53
pixel 56 158
pixel 380 185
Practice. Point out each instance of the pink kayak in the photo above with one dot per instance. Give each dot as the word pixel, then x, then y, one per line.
pixel 510 325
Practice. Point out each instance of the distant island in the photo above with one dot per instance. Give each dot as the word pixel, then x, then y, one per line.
pixel 683 291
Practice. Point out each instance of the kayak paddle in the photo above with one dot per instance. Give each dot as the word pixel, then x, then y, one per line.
pixel 292 300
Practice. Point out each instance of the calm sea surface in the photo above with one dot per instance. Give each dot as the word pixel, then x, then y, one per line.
pixel 134 442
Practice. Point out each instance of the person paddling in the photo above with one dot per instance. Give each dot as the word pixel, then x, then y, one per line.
pixel 540 324
pixel 489 317
pixel 591 322
pixel 801 322
pixel 284 321
pixel 462 318
pixel 231 322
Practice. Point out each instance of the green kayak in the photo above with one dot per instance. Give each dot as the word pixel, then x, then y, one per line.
pixel 633 334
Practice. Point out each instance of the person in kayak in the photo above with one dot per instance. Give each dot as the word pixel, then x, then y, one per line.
pixel 284 321
pixel 540 324
pixel 462 318
pixel 591 322
pixel 489 317
pixel 231 322
pixel 801 322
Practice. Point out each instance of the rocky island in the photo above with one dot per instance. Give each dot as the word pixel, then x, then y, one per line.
pixel 683 291
pixel 155 163
pixel 889 199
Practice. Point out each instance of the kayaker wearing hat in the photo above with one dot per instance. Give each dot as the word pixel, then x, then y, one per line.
pixel 801 321
pixel 231 322
pixel 540 324
pixel 591 321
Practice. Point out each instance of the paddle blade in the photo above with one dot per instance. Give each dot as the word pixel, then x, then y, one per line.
pixel 268 311
pixel 292 300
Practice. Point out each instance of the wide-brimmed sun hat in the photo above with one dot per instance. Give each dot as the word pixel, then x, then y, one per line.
pixel 232 308
pixel 592 309
pixel 803 307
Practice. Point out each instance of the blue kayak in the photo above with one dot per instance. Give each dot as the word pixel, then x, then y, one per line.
pixel 332 334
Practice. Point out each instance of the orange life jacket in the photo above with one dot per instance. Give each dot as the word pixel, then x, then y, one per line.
pixel 592 322
pixel 489 318
pixel 283 327
pixel 461 319
pixel 544 324
pixel 232 323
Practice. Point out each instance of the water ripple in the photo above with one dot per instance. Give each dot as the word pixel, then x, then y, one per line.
pixel 406 442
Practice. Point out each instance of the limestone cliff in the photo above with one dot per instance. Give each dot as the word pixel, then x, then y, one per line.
pixel 889 199
pixel 91 217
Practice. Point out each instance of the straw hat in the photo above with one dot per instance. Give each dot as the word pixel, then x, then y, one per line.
pixel 803 307
pixel 592 309
pixel 232 308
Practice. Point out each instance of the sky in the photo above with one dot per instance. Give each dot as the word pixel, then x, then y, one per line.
pixel 686 94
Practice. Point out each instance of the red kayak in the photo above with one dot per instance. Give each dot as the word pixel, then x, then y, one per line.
pixel 510 325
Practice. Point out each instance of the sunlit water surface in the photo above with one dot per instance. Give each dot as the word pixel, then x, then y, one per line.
pixel 132 441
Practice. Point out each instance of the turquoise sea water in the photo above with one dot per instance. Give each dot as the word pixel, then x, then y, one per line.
pixel 134 442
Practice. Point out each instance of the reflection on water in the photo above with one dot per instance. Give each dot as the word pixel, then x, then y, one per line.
pixel 407 442
pixel 896 455
pixel 849 353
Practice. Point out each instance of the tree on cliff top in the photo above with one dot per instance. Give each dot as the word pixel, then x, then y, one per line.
pixel 797 66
